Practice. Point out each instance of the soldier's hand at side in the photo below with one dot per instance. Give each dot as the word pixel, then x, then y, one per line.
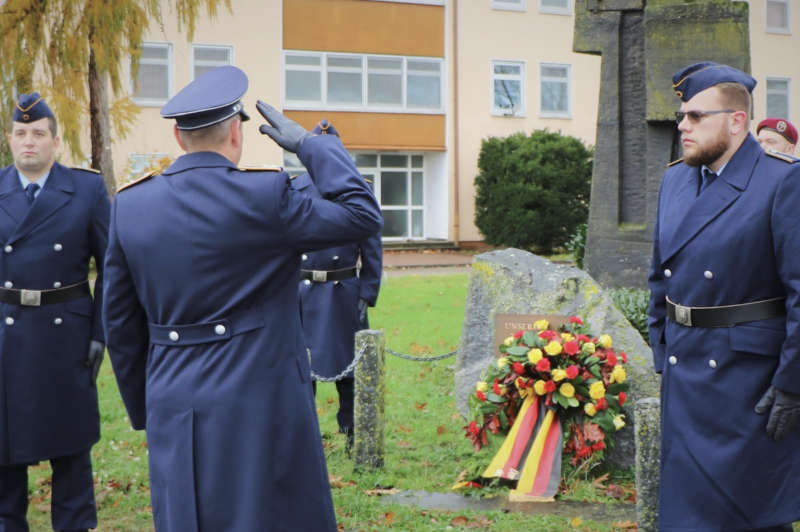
pixel 287 133
pixel 95 358
pixel 784 411
pixel 362 313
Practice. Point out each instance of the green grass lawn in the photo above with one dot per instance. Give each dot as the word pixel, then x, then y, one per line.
pixel 425 445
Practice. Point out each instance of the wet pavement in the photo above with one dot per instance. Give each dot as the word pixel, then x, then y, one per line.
pixel 569 509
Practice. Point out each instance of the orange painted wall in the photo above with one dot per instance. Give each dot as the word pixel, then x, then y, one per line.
pixel 380 131
pixel 361 26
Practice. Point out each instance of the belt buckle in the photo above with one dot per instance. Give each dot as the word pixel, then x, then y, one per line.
pixel 30 298
pixel 319 276
pixel 683 315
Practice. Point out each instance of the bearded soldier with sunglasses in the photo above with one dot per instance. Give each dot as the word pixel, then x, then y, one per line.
pixel 724 316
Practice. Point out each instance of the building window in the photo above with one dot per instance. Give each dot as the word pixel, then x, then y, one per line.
pixel 778 98
pixel 778 16
pixel 555 90
pixel 510 5
pixel 398 181
pixel 556 7
pixel 206 57
pixel 508 88
pixel 355 82
pixel 153 84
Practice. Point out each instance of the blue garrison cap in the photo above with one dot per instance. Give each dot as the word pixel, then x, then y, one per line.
pixel 209 99
pixel 30 108
pixel 324 128
pixel 700 76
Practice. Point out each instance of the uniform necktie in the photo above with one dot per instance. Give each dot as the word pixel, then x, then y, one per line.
pixel 30 192
pixel 708 177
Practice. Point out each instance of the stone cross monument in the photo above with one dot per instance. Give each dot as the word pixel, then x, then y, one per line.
pixel 643 43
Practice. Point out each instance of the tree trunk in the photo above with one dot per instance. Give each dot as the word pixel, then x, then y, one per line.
pixel 100 125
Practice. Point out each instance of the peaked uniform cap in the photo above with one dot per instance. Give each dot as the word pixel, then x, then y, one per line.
pixel 211 98
pixel 699 76
pixel 30 108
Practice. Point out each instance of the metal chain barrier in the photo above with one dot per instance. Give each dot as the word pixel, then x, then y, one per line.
pixel 420 359
pixel 353 364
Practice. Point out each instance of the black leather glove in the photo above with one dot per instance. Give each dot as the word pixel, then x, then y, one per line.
pixel 95 358
pixel 287 133
pixel 362 313
pixel 784 413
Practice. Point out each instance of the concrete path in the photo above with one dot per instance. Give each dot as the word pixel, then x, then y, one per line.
pixel 425 262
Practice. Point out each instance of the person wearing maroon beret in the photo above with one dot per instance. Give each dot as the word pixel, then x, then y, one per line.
pixel 777 134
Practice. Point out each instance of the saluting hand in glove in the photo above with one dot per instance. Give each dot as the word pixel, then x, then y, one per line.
pixel 287 133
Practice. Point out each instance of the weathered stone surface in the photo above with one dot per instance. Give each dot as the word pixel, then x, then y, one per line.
pixel 647 431
pixel 517 282
pixel 370 398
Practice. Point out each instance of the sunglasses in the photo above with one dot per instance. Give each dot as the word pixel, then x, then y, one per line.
pixel 696 116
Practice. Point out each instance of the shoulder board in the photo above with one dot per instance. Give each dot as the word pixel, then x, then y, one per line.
pixel 293 176
pixel 782 156
pixel 136 181
pixel 263 168
pixel 87 169
pixel 676 161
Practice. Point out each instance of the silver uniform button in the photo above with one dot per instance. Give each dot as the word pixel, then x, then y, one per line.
pixel 57 246
pixel 58 321
pixel 672 360
pixel 667 273
pixel 9 320
pixel 174 336
pixel 219 329
pixel 305 257
pixel 336 282
pixel 8 249
pixel 712 363
pixel 708 274
pixel 336 257
pixel 57 284
pixel 307 282
pixel 8 284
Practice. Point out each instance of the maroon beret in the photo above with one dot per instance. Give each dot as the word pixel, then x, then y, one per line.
pixel 781 126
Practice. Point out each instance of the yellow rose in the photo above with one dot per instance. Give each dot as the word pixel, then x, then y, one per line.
pixel 482 386
pixel 597 390
pixel 567 390
pixel 618 421
pixel 605 341
pixel 618 374
pixel 508 341
pixel 553 348
pixel 502 362
pixel 589 409
pixel 535 355
pixel 538 387
pixel 559 374
pixel 588 348
pixel 567 337
pixel 541 325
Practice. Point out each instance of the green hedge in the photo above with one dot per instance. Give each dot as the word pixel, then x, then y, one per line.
pixel 633 302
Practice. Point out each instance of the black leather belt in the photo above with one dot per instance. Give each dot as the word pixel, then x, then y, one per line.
pixel 36 298
pixel 321 276
pixel 726 315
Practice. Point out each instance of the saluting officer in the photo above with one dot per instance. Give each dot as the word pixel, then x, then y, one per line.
pixel 202 315
pixel 725 316
pixel 337 285
pixel 53 219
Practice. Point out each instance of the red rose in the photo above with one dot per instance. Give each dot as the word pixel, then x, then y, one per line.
pixel 611 360
pixel 550 386
pixel 473 428
pixel 543 364
pixel 518 335
pixel 622 398
pixel 572 371
pixel 572 348
pixel 624 357
pixel 575 319
pixel 598 446
pixel 496 387
pixel 519 368
pixel 584 452
pixel 602 404
pixel 547 335
pixel 480 395
pixel 583 338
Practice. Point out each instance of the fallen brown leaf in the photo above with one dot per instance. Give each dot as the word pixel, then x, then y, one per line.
pixel 626 525
pixel 388 518
pixel 420 406
pixel 441 429
pixel 459 521
pixel 404 428
pixel 337 482
pixel 382 491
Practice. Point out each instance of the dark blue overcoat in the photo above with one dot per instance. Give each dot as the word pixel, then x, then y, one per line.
pixel 738 241
pixel 204 334
pixel 48 402
pixel 329 309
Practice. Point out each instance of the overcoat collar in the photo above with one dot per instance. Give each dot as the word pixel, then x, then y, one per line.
pixel 197 160
pixel 692 213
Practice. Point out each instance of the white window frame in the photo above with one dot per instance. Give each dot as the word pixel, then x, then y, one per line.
pixel 156 102
pixel 194 62
pixel 787 94
pixel 523 79
pixel 556 114
pixel 508 5
pixel 557 10
pixel 775 29
pixel 322 69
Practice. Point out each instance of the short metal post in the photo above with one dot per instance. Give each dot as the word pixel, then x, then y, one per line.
pixel 370 396
pixel 647 437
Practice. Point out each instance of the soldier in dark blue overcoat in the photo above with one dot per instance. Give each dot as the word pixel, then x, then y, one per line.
pixel 202 316
pixel 337 285
pixel 53 220
pixel 725 317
